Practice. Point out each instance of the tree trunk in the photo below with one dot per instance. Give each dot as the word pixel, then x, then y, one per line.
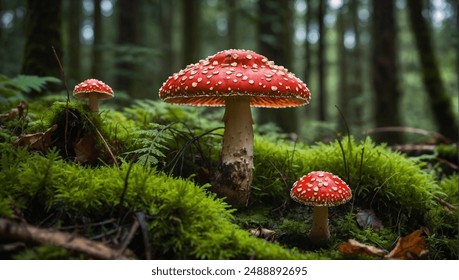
pixel 384 70
pixel 440 100
pixel 232 23
pixel 167 58
pixel 96 61
pixel 275 41
pixel 356 83
pixel 129 17
pixel 42 31
pixel 321 62
pixel 307 45
pixel 342 90
pixel 191 31
pixel 74 54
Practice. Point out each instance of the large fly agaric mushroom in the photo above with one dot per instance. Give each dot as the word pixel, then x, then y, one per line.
pixel 320 189
pixel 236 79
pixel 93 90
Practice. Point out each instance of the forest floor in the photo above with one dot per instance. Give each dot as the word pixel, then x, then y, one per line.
pixel 135 183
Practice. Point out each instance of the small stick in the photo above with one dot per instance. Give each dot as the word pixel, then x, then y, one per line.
pixel 28 233
pixel 67 101
pixel 103 141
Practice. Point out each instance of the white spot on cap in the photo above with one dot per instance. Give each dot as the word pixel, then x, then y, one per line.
pixel 194 84
pixel 273 88
pixel 251 82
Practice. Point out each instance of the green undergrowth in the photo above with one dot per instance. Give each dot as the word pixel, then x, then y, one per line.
pixel 168 155
pixel 184 220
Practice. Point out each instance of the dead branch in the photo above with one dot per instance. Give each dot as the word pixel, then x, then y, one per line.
pixel 21 231
pixel 447 206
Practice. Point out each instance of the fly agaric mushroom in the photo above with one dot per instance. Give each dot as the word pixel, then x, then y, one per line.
pixel 236 79
pixel 93 90
pixel 320 189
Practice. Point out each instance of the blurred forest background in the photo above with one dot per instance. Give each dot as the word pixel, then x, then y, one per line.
pixel 373 63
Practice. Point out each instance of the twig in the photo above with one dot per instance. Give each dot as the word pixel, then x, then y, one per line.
pixel 67 101
pixel 103 141
pixel 132 231
pixel 28 233
pixel 140 216
pixel 448 207
pixel 123 194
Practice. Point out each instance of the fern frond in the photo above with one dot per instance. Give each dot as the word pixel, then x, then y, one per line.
pixel 151 144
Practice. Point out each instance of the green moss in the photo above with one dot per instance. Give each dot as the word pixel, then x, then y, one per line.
pixel 450 190
pixel 380 179
pixel 184 220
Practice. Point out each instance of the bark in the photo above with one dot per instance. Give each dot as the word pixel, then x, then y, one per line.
pixel 43 32
pixel 275 41
pixel 234 177
pixel 439 100
pixel 384 70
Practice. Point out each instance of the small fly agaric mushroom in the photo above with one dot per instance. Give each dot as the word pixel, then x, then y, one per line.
pixel 236 79
pixel 93 90
pixel 320 189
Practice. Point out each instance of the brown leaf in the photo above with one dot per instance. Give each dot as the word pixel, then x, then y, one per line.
pixel 15 112
pixel 367 218
pixel 37 141
pixel 412 246
pixel 85 149
pixel 353 247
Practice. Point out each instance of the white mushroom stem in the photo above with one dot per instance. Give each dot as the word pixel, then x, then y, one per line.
pixel 319 232
pixel 234 178
pixel 93 103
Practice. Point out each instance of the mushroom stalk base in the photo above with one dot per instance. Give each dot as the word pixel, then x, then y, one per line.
pixel 319 233
pixel 234 176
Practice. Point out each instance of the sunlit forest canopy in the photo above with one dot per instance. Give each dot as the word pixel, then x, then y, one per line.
pixel 380 63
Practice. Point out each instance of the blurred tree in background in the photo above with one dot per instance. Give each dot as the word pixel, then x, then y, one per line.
pixel 383 63
pixel 42 31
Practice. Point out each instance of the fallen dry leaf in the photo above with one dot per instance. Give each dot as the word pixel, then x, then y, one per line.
pixel 37 141
pixel 15 112
pixel 353 247
pixel 410 247
pixel 367 218
pixel 85 149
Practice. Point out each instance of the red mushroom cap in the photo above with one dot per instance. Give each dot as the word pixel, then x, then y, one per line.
pixel 320 188
pixel 93 86
pixel 235 73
